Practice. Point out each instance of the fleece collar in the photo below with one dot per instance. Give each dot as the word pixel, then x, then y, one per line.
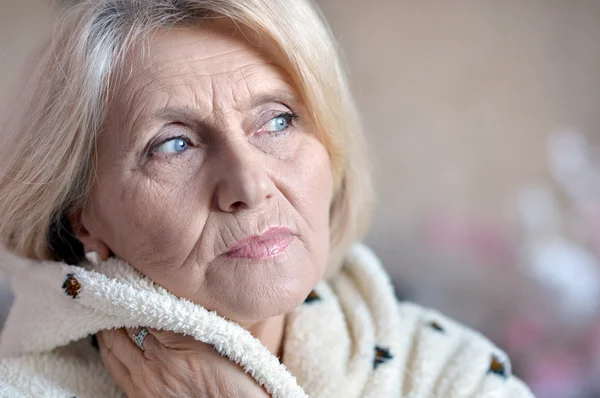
pixel 334 341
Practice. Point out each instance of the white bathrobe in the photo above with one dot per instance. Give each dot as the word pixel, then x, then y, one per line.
pixel 350 338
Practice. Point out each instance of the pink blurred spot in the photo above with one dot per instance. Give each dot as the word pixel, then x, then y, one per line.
pixel 556 371
pixel 522 333
pixel 595 232
pixel 487 242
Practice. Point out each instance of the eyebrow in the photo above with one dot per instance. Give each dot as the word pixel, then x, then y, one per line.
pixel 284 97
pixel 190 114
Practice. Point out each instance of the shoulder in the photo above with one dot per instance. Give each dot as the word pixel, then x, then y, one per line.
pixel 74 370
pixel 442 358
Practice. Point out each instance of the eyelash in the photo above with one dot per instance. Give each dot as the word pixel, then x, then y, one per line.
pixel 290 118
pixel 180 137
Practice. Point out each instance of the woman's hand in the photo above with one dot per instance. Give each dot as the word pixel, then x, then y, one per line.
pixel 172 365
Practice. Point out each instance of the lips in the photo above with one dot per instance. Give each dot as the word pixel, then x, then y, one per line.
pixel 270 243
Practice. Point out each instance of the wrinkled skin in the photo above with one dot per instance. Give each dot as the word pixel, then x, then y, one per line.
pixel 172 366
pixel 195 156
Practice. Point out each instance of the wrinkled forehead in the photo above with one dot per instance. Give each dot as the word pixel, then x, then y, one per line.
pixel 216 65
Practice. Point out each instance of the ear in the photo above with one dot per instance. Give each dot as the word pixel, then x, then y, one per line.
pixel 91 241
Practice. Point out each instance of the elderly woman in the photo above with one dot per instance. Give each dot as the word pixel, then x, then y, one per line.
pixel 187 180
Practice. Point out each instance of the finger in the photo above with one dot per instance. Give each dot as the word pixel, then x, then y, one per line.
pixel 113 365
pixel 150 344
pixel 176 341
pixel 124 349
pixel 140 336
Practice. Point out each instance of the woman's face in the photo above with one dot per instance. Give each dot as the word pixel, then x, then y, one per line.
pixel 210 179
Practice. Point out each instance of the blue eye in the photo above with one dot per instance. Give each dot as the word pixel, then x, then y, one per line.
pixel 174 145
pixel 280 123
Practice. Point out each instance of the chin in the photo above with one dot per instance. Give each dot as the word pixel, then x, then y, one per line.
pixel 263 305
pixel 246 290
pixel 263 299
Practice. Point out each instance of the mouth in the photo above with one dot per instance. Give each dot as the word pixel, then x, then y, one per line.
pixel 270 243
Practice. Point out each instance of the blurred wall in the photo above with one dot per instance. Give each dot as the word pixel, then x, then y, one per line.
pixel 22 24
pixel 459 97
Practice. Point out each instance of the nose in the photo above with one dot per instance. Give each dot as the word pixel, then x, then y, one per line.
pixel 243 181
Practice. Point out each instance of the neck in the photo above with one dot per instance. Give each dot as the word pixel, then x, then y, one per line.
pixel 270 332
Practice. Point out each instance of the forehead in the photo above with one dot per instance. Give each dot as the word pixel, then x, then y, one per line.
pixel 217 48
pixel 218 64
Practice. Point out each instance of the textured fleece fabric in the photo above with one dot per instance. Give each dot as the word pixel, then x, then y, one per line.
pixel 350 338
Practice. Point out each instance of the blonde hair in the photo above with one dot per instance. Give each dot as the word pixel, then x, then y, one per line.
pixel 50 167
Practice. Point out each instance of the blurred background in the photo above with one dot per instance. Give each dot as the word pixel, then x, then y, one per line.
pixel 483 118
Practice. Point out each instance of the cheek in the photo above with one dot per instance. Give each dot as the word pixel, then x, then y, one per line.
pixel 148 223
pixel 311 185
pixel 314 181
